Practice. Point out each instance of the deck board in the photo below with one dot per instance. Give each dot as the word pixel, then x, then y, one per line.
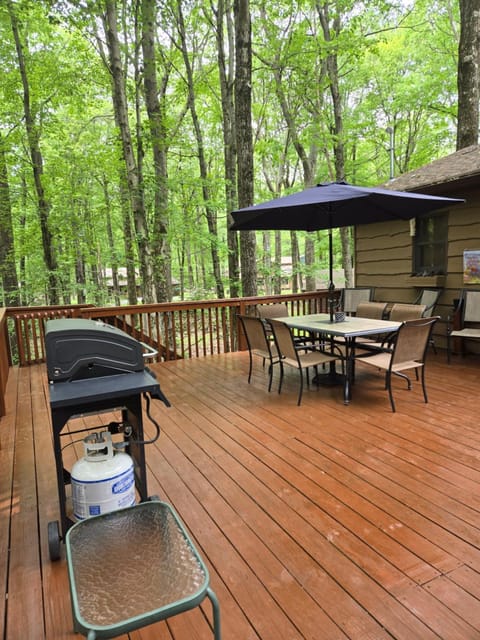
pixel 316 522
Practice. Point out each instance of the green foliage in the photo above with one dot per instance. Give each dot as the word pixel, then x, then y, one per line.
pixel 397 68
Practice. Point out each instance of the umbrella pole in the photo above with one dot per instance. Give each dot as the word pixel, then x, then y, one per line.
pixel 332 377
pixel 331 286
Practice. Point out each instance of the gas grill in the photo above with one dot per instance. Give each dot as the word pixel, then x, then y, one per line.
pixel 94 368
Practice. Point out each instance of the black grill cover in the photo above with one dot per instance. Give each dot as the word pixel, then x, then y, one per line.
pixel 78 349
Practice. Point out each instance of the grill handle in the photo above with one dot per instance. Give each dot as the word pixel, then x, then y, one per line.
pixel 150 352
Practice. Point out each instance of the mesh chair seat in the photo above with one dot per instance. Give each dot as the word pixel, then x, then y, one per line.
pixel 297 356
pixel 259 345
pixel 470 321
pixel 409 352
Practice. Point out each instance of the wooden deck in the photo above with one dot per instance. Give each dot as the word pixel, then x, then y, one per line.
pixel 320 522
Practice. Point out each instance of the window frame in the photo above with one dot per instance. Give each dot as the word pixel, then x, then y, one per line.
pixel 430 242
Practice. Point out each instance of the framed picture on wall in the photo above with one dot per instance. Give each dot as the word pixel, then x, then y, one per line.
pixel 471 266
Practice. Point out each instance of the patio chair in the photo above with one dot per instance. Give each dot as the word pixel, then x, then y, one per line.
pixel 375 310
pixel 400 312
pixel 409 352
pixel 259 345
pixel 297 356
pixel 470 320
pixel 372 310
pixel 279 310
pixel 352 297
pixel 429 298
pixel 275 310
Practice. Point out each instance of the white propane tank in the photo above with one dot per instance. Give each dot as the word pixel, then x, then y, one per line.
pixel 102 480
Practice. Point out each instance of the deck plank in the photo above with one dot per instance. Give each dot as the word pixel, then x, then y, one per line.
pixel 348 523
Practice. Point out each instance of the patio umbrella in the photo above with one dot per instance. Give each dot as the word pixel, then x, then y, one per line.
pixel 336 204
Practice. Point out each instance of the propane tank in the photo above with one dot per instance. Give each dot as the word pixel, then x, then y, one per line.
pixel 102 480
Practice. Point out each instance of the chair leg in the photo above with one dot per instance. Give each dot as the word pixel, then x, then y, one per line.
pixel 422 376
pixel 281 377
pixel 388 380
pixel 301 388
pixel 270 376
pixel 251 367
pixel 405 377
pixel 216 614
pixel 448 348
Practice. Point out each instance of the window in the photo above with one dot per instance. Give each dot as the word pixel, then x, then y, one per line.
pixel 430 243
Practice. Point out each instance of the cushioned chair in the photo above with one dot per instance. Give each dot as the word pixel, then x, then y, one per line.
pixel 259 345
pixel 297 356
pixel 408 353
pixel 352 297
pixel 470 320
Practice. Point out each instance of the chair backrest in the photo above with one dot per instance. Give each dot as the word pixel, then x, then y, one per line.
pixel 412 340
pixel 471 305
pixel 373 310
pixel 275 310
pixel 351 298
pixel 255 333
pixel 429 297
pixel 402 312
pixel 284 340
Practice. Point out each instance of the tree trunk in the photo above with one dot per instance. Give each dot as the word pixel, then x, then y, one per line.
pixel 338 145
pixel 225 70
pixel 111 243
pixel 8 273
pixel 209 211
pixel 33 136
pixel 121 111
pixel 468 73
pixel 277 281
pixel 162 275
pixel 244 139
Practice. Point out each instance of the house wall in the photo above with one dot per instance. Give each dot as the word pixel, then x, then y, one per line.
pixel 383 256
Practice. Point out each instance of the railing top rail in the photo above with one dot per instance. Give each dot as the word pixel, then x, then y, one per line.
pixel 91 310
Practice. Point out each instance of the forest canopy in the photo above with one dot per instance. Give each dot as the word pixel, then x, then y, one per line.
pixel 129 130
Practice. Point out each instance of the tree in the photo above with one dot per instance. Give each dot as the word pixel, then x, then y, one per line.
pixel 225 57
pixel 120 104
pixel 33 136
pixel 468 76
pixel 156 116
pixel 244 137
pixel 209 211
pixel 8 273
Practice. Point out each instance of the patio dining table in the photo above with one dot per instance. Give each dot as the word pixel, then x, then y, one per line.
pixel 351 328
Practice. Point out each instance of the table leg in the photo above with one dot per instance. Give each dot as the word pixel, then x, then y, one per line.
pixel 349 369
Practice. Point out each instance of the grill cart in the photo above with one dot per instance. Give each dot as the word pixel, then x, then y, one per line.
pixel 95 368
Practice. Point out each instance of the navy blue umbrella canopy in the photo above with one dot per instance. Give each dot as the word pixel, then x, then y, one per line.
pixel 336 204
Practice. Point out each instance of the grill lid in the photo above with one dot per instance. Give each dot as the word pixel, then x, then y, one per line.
pixel 78 348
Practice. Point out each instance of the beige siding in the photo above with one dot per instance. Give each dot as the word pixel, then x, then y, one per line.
pixel 383 255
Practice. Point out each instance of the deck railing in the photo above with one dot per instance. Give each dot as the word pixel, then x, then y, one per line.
pixel 175 329
pixel 4 359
